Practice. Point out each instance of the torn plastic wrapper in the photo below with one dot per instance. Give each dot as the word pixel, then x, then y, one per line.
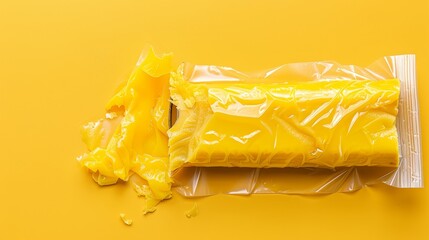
pixel 202 181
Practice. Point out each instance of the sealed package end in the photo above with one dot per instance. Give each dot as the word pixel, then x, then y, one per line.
pixel 316 127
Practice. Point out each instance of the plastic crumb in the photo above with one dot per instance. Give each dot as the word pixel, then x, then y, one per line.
pixel 193 212
pixel 127 221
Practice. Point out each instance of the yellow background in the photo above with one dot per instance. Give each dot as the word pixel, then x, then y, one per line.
pixel 60 61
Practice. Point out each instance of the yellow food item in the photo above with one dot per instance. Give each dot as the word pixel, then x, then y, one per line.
pixel 325 123
pixel 132 138
pixel 127 221
pixel 193 212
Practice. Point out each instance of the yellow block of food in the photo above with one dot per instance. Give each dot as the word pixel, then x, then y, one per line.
pixel 324 123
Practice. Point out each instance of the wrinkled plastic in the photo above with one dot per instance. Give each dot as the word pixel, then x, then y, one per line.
pixel 132 137
pixel 330 123
pixel 316 127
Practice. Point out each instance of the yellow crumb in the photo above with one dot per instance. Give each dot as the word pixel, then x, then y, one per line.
pixel 193 212
pixel 127 221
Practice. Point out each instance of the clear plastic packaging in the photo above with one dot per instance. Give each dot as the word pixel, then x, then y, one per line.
pixel 354 128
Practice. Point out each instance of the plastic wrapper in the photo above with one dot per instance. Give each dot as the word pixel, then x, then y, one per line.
pixel 315 127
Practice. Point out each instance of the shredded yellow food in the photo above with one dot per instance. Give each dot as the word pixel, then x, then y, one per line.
pixel 132 137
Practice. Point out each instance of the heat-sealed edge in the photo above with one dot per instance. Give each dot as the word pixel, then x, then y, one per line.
pixel 409 172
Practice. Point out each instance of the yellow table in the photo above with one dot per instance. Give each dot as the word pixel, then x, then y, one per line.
pixel 61 61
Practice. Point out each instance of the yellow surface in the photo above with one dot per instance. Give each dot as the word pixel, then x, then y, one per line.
pixel 62 60
pixel 285 124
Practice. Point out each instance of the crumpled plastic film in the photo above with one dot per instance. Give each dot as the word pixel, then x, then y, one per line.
pixel 332 121
pixel 132 137
pixel 326 123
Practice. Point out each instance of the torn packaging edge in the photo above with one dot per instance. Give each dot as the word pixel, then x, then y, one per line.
pixel 409 172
